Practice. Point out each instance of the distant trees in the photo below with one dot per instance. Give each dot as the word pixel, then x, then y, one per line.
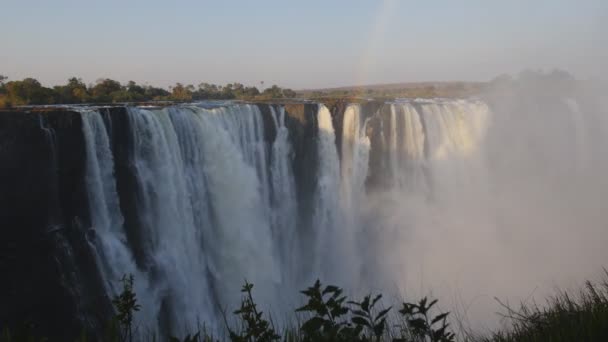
pixel 3 99
pixel 30 92
pixel 27 91
pixel 73 92
pixel 277 92
pixel 182 93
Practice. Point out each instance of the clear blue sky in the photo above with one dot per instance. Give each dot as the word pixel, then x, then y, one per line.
pixel 299 43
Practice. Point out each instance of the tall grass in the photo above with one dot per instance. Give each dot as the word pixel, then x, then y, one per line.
pixel 582 316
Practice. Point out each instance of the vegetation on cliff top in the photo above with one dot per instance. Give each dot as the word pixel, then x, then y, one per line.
pixel 30 92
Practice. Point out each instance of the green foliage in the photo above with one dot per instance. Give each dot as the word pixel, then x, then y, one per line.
pixel 4 102
pixel 329 312
pixel 103 90
pixel 73 92
pixel 2 80
pixel 331 317
pixel 423 327
pixel 254 326
pixel 364 315
pixel 126 306
pixel 182 93
pixel 30 92
pixel 335 319
pixel 189 338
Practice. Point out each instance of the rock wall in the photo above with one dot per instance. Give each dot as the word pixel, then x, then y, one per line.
pixel 49 276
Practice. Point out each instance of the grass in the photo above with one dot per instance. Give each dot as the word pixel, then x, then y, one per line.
pixel 565 317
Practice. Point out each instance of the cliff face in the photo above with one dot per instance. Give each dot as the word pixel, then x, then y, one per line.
pixel 49 272
pixel 301 120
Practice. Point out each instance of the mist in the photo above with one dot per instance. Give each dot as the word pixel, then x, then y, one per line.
pixel 512 206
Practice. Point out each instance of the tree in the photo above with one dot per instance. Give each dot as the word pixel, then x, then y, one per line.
pixel 28 91
pixel 3 101
pixel 251 91
pixel 289 93
pixel 273 92
pixel 153 93
pixel 126 305
pixel 104 88
pixel 182 93
pixel 133 87
pixel 73 92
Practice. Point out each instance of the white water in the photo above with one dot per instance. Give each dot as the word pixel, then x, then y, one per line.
pixel 110 243
pixel 327 221
pixel 355 158
pixel 464 190
pixel 284 206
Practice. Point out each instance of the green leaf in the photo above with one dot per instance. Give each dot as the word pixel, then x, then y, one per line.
pixel 379 328
pixel 376 299
pixel 439 317
pixel 313 324
pixel 304 308
pixel 418 323
pixel 360 321
pixel 365 303
pixel 331 289
pixel 359 313
pixel 382 313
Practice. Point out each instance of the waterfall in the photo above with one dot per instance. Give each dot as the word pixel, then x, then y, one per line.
pixel 355 157
pixel 330 241
pixel 175 261
pixel 406 146
pixel 239 243
pixel 113 256
pixel 246 128
pixel 217 201
pixel 284 208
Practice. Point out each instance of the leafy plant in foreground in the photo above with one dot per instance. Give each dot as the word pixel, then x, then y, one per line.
pixel 423 327
pixel 364 316
pixel 255 327
pixel 126 306
pixel 327 305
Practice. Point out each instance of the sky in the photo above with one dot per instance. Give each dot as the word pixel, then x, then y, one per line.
pixel 299 44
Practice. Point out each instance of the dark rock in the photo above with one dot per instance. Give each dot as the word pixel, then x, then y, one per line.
pixel 51 283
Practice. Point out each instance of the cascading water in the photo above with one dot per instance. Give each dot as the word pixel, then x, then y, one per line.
pixel 113 254
pixel 327 216
pixel 406 146
pixel 284 206
pixel 217 202
pixel 355 157
pixel 239 242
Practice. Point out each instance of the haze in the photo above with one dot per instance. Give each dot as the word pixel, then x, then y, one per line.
pixel 308 44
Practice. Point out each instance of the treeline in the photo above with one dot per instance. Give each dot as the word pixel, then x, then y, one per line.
pixel 30 92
